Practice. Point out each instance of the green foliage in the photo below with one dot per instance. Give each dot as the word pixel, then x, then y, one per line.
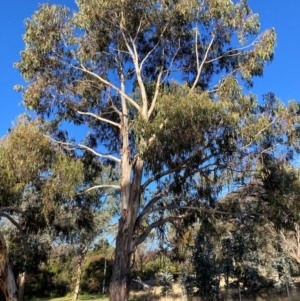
pixel 110 66
pixel 187 282
pixel 31 164
pixel 152 268
pixel 93 276
pixel 68 174
pixel 69 74
pixel 247 245
pixel 41 194
pixel 166 279
pixel 206 262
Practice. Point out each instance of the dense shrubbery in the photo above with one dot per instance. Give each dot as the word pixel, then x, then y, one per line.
pixel 93 276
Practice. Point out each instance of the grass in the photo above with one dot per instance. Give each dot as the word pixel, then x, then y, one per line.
pixel 69 297
pixel 175 295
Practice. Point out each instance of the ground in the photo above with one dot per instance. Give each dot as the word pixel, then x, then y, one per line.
pixel 139 295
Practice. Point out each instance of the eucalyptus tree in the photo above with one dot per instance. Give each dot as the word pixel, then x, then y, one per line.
pixel 88 225
pixel 159 87
pixel 35 178
pixel 254 245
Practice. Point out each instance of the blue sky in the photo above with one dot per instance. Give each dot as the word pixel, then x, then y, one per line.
pixel 282 76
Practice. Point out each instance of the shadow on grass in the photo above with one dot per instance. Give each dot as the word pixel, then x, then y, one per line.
pixel 146 296
pixel 84 297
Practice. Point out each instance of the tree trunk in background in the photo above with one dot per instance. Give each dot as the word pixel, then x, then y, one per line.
pixel 7 280
pixel 80 264
pixel 104 274
pixel 21 282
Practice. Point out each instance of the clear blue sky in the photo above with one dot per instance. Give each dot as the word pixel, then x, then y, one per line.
pixel 282 76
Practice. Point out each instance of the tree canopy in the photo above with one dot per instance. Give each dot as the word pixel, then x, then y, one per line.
pixel 161 88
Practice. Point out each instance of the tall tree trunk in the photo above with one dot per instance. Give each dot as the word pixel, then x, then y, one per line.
pixel 7 280
pixel 80 264
pixel 21 284
pixel 104 274
pixel 119 286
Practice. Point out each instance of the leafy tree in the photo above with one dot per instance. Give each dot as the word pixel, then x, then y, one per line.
pixel 97 272
pixel 112 65
pixel 35 179
pixel 187 283
pixel 166 280
pixel 206 262
pixel 84 239
pixel 254 243
pixel 26 261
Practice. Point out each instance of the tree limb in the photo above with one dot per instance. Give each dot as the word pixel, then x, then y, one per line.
pixel 101 155
pixel 158 82
pixel 109 84
pixel 164 173
pixel 199 68
pixel 232 50
pixel 12 220
pixel 158 223
pixel 11 208
pixel 206 210
pixel 101 186
pixel 99 118
pixel 182 166
pixel 154 47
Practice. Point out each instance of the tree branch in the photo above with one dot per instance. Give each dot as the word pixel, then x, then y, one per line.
pixel 12 220
pixel 108 156
pixel 11 208
pixel 183 166
pixel 135 59
pixel 158 82
pixel 232 50
pixel 109 84
pixel 206 210
pixel 99 118
pixel 138 71
pixel 148 207
pixel 199 68
pixel 170 70
pixel 158 223
pixel 162 174
pixel 154 47
pixel 100 186
pixel 66 145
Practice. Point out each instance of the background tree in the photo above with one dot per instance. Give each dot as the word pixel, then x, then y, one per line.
pixel 111 67
pixel 36 179
pixel 207 264
pixel 98 269
pixel 244 243
pixel 166 280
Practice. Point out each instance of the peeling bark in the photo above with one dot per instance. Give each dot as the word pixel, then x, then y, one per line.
pixel 80 264
pixel 7 280
pixel 120 282
pixel 119 286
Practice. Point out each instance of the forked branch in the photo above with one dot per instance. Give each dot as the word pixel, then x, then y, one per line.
pixel 200 66
pixel 109 84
